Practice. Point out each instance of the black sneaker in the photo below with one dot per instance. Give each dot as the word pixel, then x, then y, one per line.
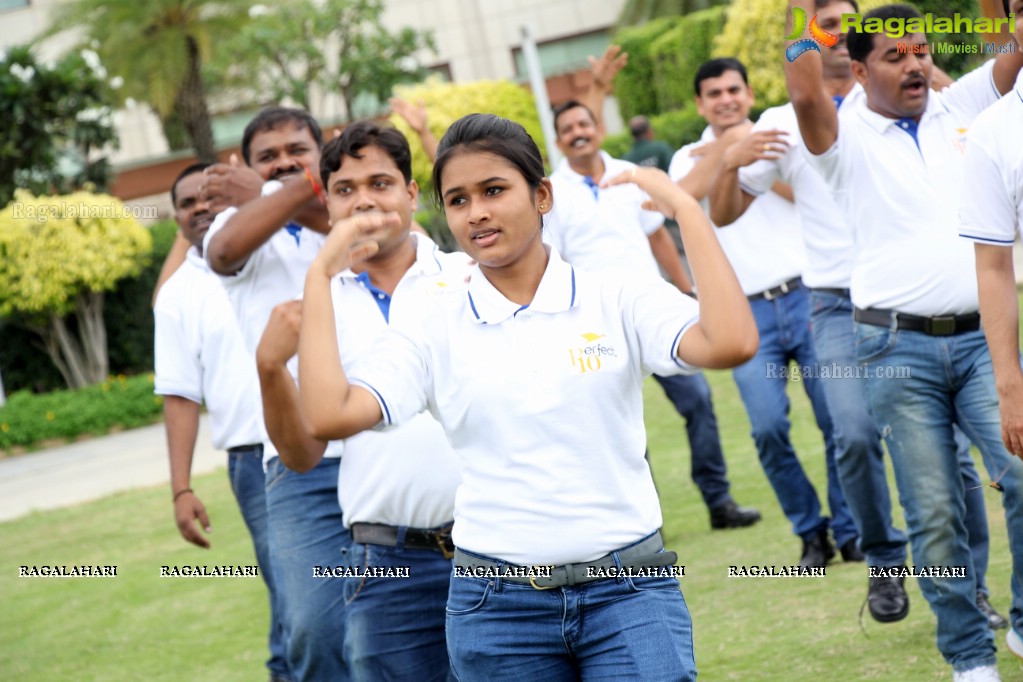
pixel 731 515
pixel 995 620
pixel 887 599
pixel 851 551
pixel 818 551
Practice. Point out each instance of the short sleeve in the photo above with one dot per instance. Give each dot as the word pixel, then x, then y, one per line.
pixel 661 315
pixel 178 370
pixel 987 215
pixel 972 93
pixel 398 373
pixel 681 163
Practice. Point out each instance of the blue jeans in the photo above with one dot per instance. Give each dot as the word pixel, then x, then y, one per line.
pixel 858 451
pixel 784 326
pixel 395 626
pixel 611 629
pixel 306 530
pixel 245 469
pixel 690 394
pixel 949 382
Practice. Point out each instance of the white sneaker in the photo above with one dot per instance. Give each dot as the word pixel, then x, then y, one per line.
pixel 985 673
pixel 1014 642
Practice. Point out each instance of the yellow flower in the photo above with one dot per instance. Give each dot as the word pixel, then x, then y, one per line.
pixel 5 427
pixel 50 416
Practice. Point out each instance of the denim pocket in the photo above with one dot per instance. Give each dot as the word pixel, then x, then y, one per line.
pixel 652 583
pixel 467 595
pixel 873 343
pixel 825 304
pixel 355 557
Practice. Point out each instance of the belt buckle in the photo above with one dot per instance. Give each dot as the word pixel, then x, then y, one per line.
pixel 443 539
pixel 940 326
pixel 532 579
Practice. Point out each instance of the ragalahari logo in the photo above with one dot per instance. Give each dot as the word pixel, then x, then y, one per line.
pixel 818 36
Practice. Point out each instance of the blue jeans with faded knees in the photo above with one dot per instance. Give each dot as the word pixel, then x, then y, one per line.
pixel 306 530
pixel 919 386
pixel 784 326
pixel 245 469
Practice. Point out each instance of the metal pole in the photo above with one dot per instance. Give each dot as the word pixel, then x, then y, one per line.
pixel 539 86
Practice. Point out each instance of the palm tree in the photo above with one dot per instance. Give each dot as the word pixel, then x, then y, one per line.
pixel 158 47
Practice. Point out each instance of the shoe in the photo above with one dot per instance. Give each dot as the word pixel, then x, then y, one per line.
pixel 731 515
pixel 1014 642
pixel 985 673
pixel 887 599
pixel 851 550
pixel 995 620
pixel 818 551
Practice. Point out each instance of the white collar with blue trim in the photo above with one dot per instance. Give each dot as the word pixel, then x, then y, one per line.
pixel 556 293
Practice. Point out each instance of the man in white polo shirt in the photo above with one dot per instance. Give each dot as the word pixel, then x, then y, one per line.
pixel 599 229
pixel 750 169
pixel 991 216
pixel 895 167
pixel 397 487
pixel 262 250
pixel 765 247
pixel 200 358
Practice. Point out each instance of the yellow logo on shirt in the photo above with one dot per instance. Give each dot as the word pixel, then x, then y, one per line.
pixel 588 358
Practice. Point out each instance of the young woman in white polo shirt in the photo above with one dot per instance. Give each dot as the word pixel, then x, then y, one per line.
pixel 535 371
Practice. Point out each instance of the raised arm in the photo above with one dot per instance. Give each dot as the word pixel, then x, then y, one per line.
pixel 415 116
pixel 815 110
pixel 698 181
pixel 255 222
pixel 1008 64
pixel 604 70
pixel 728 201
pixel 332 407
pixel 666 255
pixel 726 335
pixel 297 448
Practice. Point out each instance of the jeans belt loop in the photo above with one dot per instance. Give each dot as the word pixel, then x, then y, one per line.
pixel 399 542
pixel 893 326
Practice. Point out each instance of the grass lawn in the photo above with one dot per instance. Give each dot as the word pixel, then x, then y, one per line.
pixel 140 626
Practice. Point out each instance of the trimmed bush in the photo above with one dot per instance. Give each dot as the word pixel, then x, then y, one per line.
pixel 677 128
pixel 635 88
pixel 678 53
pixel 119 402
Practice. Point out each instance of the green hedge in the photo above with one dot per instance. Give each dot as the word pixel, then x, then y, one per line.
pixel 634 86
pixel 127 312
pixel 29 419
pixel 679 52
pixel 677 128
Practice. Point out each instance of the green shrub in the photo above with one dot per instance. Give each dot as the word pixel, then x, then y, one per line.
pixel 127 313
pixel 677 128
pixel 678 53
pixel 635 87
pixel 119 402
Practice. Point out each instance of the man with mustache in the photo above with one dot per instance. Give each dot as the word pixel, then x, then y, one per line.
pixel 766 250
pixel 599 229
pixel 895 167
pixel 262 250
pixel 750 168
pixel 200 358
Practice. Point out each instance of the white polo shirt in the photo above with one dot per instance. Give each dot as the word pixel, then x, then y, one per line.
pixel 826 236
pixel 274 273
pixel 765 245
pixel 200 355
pixel 901 193
pixel 992 210
pixel 406 476
pixel 600 229
pixel 543 404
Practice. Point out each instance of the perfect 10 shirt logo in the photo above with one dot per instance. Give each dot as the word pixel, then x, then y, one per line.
pixel 818 36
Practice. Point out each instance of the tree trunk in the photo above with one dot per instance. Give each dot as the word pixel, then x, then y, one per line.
pixel 64 352
pixel 92 334
pixel 191 105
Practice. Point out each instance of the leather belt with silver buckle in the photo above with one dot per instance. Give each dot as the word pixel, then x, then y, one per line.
pixel 780 290
pixel 645 554
pixel 435 539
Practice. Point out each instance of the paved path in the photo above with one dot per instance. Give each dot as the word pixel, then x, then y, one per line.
pixel 85 471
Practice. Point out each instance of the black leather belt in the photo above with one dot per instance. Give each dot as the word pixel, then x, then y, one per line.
pixel 642 555
pixel 780 290
pixel 940 325
pixel 244 449
pixel 436 539
pixel 844 293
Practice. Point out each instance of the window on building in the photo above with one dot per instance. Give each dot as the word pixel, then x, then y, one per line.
pixel 6 5
pixel 564 55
